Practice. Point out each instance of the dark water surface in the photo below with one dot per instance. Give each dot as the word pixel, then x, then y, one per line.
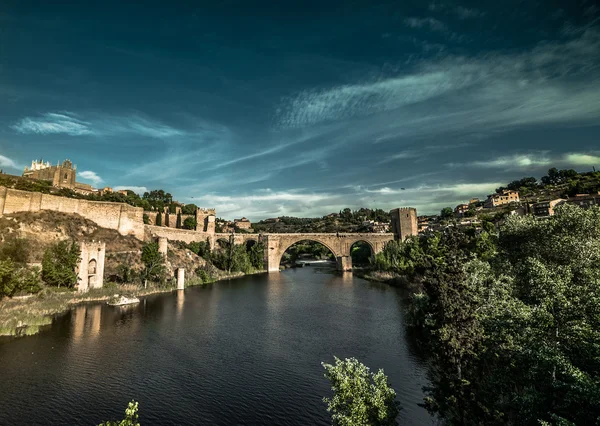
pixel 246 351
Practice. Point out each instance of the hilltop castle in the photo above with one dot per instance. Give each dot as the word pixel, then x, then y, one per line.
pixel 62 175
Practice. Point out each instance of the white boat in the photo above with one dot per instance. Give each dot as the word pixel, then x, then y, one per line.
pixel 123 300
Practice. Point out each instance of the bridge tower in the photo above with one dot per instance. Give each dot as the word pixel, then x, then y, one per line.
pixel 404 222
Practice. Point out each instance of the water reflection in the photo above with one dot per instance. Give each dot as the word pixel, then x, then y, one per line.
pixel 180 302
pixel 86 321
pixel 246 346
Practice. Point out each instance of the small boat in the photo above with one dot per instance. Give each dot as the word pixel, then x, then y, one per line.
pixel 123 300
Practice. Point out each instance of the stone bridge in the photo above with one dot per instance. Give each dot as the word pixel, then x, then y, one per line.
pixel 404 223
pixel 339 244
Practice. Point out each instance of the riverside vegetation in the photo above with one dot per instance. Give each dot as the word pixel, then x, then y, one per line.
pixel 510 319
pixel 30 295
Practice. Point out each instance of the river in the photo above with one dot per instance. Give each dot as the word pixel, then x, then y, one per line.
pixel 246 351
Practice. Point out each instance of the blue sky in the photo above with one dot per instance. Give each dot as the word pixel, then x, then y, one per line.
pixel 263 109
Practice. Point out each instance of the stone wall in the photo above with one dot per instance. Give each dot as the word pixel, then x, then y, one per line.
pixel 174 234
pixel 126 219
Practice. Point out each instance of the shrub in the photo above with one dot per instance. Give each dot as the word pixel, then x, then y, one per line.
pixel 189 223
pixel 17 250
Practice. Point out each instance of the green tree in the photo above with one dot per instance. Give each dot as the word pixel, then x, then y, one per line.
pixel 257 255
pixel 158 221
pixel 189 223
pixel 359 396
pixel 131 417
pixel 59 263
pixel 447 213
pixel 154 264
pixel 146 219
pixel 189 209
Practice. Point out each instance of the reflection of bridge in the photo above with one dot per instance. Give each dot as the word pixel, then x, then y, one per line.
pixel 339 244
pixel 404 223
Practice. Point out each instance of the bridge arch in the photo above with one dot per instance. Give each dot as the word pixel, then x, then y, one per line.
pixel 286 242
pixel 364 243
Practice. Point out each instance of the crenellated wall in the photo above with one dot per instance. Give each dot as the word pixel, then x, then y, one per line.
pixel 124 218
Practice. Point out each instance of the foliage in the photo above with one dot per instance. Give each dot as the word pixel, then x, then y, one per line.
pixel 189 209
pixel 59 263
pixel 511 322
pixel 189 223
pixel 361 253
pixel 257 255
pixel 447 213
pixel 154 264
pixel 131 417
pixel 146 219
pixel 17 250
pixel 359 396
pixel 158 221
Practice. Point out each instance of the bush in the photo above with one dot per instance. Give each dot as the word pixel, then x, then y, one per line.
pixel 359 396
pixel 15 280
pixel 189 223
pixel 17 250
pixel 59 263
pixel 146 219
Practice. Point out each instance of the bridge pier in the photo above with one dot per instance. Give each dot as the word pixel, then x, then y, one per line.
pixel 344 263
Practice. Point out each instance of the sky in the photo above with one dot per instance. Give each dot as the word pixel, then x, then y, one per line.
pixel 302 108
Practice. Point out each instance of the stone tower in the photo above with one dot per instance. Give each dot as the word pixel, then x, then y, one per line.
pixel 404 222
pixel 205 220
pixel 91 266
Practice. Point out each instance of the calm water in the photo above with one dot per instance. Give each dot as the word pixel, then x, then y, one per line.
pixel 246 351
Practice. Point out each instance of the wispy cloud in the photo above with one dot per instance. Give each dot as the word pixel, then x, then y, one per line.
pixel 459 11
pixel 7 162
pixel 552 83
pixel 583 160
pixel 90 176
pixel 516 161
pixel 94 124
pixel 50 123
pixel 431 23
pixel 535 159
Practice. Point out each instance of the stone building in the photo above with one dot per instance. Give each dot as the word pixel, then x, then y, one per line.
pixel 91 266
pixel 242 223
pixel 585 200
pixel 404 222
pixel 546 208
pixel 506 197
pixel 62 175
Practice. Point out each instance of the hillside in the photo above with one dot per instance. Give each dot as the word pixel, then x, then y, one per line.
pixel 346 220
pixel 41 229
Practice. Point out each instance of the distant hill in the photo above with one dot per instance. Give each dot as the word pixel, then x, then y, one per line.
pixel 346 220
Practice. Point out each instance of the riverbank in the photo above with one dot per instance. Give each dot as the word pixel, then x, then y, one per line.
pixel 27 315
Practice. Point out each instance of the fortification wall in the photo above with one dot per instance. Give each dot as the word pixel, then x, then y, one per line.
pixel 126 219
pixel 173 234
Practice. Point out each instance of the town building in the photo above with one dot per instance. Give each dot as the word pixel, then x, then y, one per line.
pixel 504 198
pixel 585 200
pixel 461 209
pixel 242 223
pixel 546 208
pixel 62 175
pixel 377 227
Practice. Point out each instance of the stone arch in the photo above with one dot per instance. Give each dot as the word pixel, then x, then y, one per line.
pixel 221 243
pixel 286 244
pixel 250 242
pixel 362 241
